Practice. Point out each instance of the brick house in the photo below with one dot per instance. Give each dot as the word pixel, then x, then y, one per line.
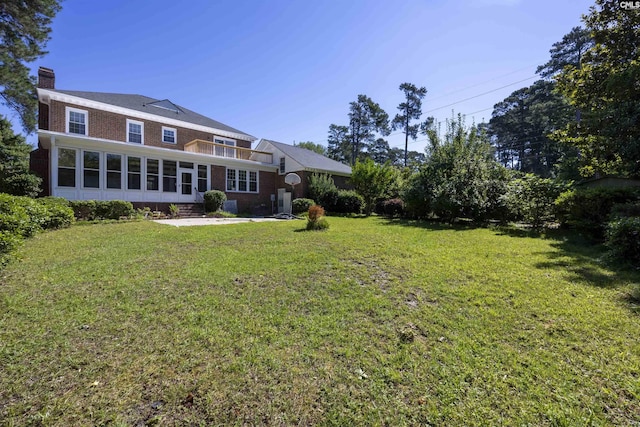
pixel 109 146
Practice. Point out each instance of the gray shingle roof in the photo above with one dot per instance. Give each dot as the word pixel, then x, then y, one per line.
pixel 311 160
pixel 143 104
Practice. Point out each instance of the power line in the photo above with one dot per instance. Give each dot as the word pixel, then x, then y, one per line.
pixel 480 94
pixel 479 84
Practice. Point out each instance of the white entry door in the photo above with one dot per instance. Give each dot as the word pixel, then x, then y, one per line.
pixel 186 184
pixel 286 202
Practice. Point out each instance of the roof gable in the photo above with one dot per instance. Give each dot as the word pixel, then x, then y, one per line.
pixel 310 160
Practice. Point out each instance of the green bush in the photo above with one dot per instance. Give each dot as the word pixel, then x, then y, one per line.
pixel 348 201
pixel 213 200
pixel 589 209
pixel 623 240
pixel 323 190
pixel 625 210
pixel 8 243
pixel 531 198
pixel 101 209
pixel 320 224
pixel 84 209
pixel 301 205
pixel 393 207
pixel 60 214
pixel 22 217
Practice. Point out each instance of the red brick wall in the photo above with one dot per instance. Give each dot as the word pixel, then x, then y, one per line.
pixel 259 204
pixel 39 165
pixel 106 125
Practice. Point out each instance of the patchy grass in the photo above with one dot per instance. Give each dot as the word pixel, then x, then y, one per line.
pixel 373 322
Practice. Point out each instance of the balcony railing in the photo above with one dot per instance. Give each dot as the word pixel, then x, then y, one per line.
pixel 222 150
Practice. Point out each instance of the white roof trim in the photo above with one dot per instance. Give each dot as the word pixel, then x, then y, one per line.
pixel 45 96
pixel 149 150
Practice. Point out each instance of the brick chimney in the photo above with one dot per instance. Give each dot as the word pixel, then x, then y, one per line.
pixel 46 78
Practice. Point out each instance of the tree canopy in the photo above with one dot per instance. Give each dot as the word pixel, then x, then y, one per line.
pixel 316 148
pixel 24 33
pixel 15 177
pixel 410 109
pixel 605 91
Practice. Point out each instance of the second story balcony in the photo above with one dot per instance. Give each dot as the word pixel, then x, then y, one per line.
pixel 222 150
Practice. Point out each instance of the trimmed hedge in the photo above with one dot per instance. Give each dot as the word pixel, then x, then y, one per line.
pixel 348 202
pixel 214 200
pixel 301 205
pixel 101 209
pixel 22 217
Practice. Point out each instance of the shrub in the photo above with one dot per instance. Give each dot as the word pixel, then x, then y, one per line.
pixel 393 207
pixel 623 240
pixel 302 205
pixel 60 215
pixel 174 210
pixel 323 190
pixel 113 209
pixel 321 224
pixel 8 243
pixel 101 209
pixel 315 219
pixel 20 215
pixel 84 209
pixel 589 209
pixel 531 198
pixel 213 200
pixel 625 210
pixel 348 201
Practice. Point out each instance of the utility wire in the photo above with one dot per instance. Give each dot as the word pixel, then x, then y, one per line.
pixel 480 94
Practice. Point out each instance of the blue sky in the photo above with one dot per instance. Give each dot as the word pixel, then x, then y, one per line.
pixel 286 70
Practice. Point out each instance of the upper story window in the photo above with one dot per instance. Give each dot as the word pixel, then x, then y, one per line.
pixel 135 132
pixel 282 165
pixel 223 151
pixel 77 121
pixel 168 135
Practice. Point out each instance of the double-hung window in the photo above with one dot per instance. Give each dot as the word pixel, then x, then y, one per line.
pixel 77 121
pixel 202 178
pixel 153 175
pixel 91 169
pixel 114 171
pixel 135 132
pixel 134 173
pixel 242 180
pixel 282 165
pixel 66 167
pixel 168 135
pixel 169 176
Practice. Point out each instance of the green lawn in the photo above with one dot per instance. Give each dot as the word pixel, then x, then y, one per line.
pixel 369 323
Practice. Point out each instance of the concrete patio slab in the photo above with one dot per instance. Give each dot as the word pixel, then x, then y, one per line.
pixel 189 222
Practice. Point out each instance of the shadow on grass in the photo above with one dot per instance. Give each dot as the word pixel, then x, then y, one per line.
pixel 580 258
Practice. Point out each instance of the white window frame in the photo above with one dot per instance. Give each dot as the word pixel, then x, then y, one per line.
pixel 91 169
pixel 68 111
pixel 226 152
pixel 135 122
pixel 107 171
pixel 140 173
pixel 175 135
pixel 237 180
